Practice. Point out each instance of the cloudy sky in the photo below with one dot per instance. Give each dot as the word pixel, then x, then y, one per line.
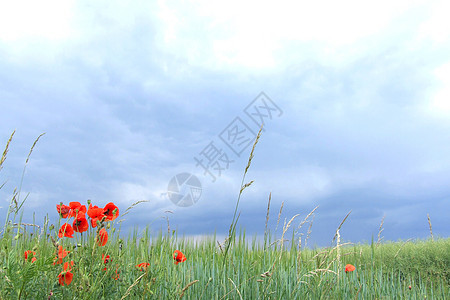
pixel 130 95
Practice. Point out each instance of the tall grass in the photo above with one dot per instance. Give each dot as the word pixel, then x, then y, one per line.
pixel 278 268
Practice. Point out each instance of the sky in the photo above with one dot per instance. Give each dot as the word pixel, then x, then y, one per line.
pixel 354 97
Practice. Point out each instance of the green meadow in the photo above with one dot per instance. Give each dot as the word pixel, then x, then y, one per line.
pixel 92 264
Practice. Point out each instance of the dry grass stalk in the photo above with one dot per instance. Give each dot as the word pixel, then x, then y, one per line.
pixel 168 225
pixel 267 220
pixel 220 246
pixel 338 251
pixel 279 216
pixel 209 280
pixel 127 211
pixel 246 186
pixel 5 152
pixel 359 290
pixel 127 293
pixel 186 287
pixel 306 218
pixel 398 251
pixel 325 270
pixel 232 230
pixel 299 253
pixel 32 147
pixel 266 274
pixel 285 229
pixel 235 287
pixel 18 206
pixel 340 225
pixel 308 233
pixel 326 254
pixel 304 221
pixel 380 230
pixel 132 206
pixel 19 225
pixel 253 149
pixel 325 259
pixel 431 228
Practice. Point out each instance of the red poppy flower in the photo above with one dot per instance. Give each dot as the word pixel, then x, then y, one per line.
pixel 61 254
pixel 65 277
pixel 65 230
pixel 116 277
pixel 349 268
pixel 33 254
pixel 80 224
pixel 95 213
pixel 76 209
pixel 178 256
pixel 63 210
pixel 111 211
pixel 106 259
pixel 143 266
pixel 409 287
pixel 102 237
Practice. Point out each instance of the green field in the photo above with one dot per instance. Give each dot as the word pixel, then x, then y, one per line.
pixel 240 267
pixel 249 271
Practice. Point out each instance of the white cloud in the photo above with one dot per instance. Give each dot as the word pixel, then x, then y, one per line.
pixel 260 35
pixel 439 104
pixel 48 19
pixel 437 28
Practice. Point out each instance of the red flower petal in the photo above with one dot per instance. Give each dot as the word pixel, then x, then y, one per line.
pixel 102 237
pixel 63 210
pixel 27 253
pixel 111 211
pixel 80 224
pixel 349 268
pixel 65 230
pixel 178 256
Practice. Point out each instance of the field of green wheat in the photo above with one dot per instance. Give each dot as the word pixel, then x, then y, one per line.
pixel 84 255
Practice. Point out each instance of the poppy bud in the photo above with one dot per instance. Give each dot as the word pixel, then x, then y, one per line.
pixel 52 227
